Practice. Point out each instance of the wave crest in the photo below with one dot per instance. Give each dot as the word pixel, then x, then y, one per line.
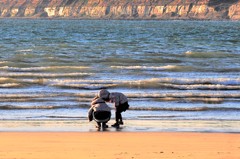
pixel 186 109
pixel 194 54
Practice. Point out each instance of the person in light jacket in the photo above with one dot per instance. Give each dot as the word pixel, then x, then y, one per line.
pixel 99 110
pixel 120 102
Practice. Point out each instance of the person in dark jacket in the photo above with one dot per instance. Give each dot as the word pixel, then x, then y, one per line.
pixel 120 102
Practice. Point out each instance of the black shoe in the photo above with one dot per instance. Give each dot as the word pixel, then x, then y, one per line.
pixel 105 126
pixel 121 122
pixel 116 125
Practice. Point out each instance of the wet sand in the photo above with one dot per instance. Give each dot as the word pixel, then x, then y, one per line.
pixel 129 126
pixel 121 145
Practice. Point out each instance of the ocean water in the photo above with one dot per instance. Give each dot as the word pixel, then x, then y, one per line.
pixel 169 70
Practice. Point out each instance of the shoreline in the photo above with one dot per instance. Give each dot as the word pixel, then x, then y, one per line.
pixel 211 126
pixel 115 19
pixel 140 145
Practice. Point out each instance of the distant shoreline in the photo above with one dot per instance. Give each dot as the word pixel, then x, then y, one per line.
pixel 112 19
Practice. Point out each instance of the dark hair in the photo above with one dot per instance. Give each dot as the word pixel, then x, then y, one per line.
pixel 106 99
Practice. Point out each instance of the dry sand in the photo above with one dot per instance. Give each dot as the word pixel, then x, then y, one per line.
pixel 118 145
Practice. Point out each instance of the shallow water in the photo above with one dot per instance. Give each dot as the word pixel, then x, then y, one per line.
pixel 174 70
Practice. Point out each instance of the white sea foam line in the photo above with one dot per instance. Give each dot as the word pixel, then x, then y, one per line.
pixel 183 95
pixel 43 68
pixel 82 81
pixel 201 86
pixel 3 62
pixel 46 94
pixel 142 83
pixel 26 74
pixel 83 85
pixel 28 95
pixel 206 54
pixel 7 85
pixel 229 81
pixel 2 79
pixel 175 82
pixel 26 50
pixel 148 67
pixel 209 95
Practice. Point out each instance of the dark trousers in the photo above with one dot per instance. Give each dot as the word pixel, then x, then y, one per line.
pixel 118 116
pixel 102 115
pixel 121 108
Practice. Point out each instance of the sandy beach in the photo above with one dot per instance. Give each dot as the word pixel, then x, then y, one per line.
pixel 118 145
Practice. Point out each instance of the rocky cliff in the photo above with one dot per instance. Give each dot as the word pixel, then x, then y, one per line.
pixel 122 9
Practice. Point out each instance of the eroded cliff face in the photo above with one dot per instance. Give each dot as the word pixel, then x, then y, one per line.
pixel 123 9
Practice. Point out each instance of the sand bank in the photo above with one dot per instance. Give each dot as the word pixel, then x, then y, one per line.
pixel 121 145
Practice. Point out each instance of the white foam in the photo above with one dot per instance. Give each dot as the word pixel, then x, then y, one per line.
pixel 42 68
pixel 28 74
pixel 195 54
pixel 10 85
pixel 25 50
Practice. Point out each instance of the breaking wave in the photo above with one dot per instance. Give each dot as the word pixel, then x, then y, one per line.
pixel 157 68
pixel 177 68
pixel 47 68
pixel 65 80
pixel 134 108
pixel 154 83
pixel 44 75
pixel 22 107
pixel 194 54
pixel 187 109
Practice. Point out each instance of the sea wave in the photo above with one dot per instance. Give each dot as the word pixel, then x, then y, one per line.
pixel 134 108
pixel 26 50
pixel 186 109
pixel 153 83
pixel 7 107
pixel 11 85
pixel 178 68
pixel 194 54
pixel 46 68
pixel 185 95
pixel 22 107
pixel 133 95
pixel 63 98
pixel 157 68
pixel 46 75
pixel 65 80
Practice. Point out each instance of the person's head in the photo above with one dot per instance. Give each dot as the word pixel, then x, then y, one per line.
pixel 104 94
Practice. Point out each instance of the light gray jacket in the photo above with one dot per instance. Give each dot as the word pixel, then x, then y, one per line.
pixel 117 98
pixel 98 105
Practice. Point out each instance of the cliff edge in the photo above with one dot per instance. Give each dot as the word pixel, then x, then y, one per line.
pixel 123 9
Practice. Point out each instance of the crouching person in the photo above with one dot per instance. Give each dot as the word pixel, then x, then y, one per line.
pixel 120 101
pixel 100 112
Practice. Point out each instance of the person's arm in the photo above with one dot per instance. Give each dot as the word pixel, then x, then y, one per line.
pixel 94 100
pixel 90 114
pixel 117 101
